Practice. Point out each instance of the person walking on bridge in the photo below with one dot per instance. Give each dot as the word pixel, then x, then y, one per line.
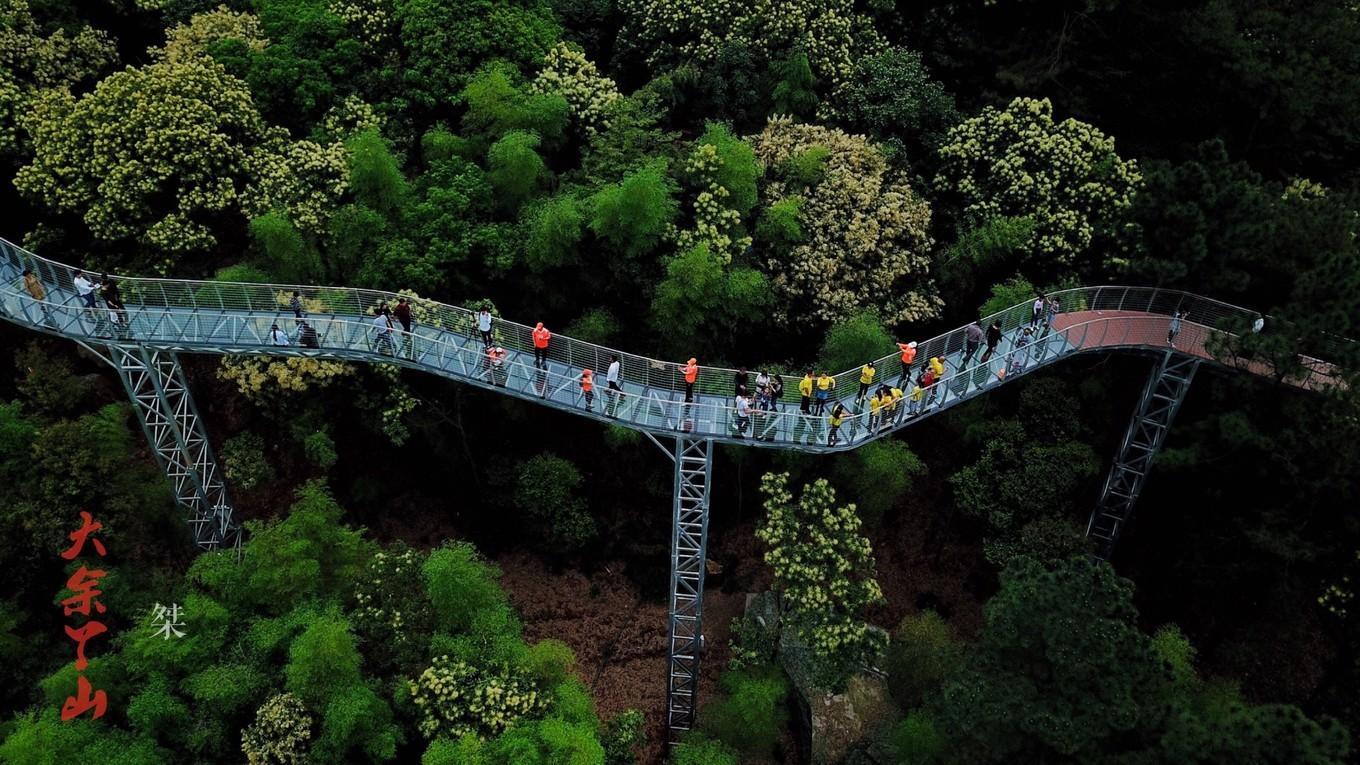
pixel 776 391
pixel 835 419
pixel 993 340
pixel 1175 328
pixel 85 291
pixel 612 382
pixel 805 390
pixel 306 336
pixel 908 356
pixel 1051 310
pixel 295 303
pixel 742 403
pixel 382 331
pixel 108 289
pixel 740 380
pixel 35 290
pixel 484 324
pixel 691 372
pixel 587 387
pixel 866 379
pixel 972 339
pixel 541 338
pixel 403 314
pixel 1038 309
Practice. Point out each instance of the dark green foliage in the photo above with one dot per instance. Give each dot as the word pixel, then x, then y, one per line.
pixel 918 741
pixel 515 169
pixel 498 103
pixel 632 215
pixel 796 93
pixel 285 255
pixel 892 97
pixel 311 61
pixel 547 492
pixel 622 737
pixel 698 749
pixel 460 585
pixel 881 473
pixel 924 652
pixel 445 40
pixel 553 230
pixel 374 173
pixel 850 343
pixel 597 325
pixel 751 717
pixel 699 297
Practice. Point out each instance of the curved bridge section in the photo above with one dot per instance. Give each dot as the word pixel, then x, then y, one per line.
pixel 170 315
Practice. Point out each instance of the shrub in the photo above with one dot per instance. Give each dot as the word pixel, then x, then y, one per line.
pixel 246 466
pixel 923 652
pixel 752 715
pixel 280 734
pixel 456 699
pixel 546 492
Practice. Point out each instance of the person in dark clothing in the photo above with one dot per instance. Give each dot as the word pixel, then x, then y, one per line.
pixel 993 339
pixel 307 336
pixel 742 381
pixel 295 303
pixel 776 391
pixel 972 338
pixel 108 290
pixel 403 314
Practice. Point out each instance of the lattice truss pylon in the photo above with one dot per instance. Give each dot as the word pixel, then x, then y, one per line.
pixel 1162 397
pixel 689 543
pixel 155 383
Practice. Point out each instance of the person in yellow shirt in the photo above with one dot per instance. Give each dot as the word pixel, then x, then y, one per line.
pixel 918 395
pixel 825 383
pixel 866 379
pixel 875 411
pixel 835 419
pixel 805 390
pixel 937 366
pixel 894 404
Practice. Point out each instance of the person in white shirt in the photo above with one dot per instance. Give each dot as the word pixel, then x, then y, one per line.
pixel 84 288
pixel 1259 324
pixel 277 336
pixel 614 383
pixel 743 415
pixel 1038 310
pixel 382 327
pixel 484 325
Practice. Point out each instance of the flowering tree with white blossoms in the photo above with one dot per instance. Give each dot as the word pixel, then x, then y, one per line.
pixel 866 242
pixel 824 570
pixel 1063 176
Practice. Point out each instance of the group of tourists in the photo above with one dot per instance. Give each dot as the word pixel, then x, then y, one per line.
pixel 758 406
pixel 90 289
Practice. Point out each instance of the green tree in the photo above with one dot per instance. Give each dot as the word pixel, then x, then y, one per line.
pixel 853 341
pixel 547 492
pixel 445 40
pixel 893 98
pixel 460 585
pixel 698 749
pixel 499 103
pixel 156 154
pixel 286 255
pixel 883 471
pixel 554 228
pixel 924 652
pixel 824 571
pixel 632 215
pixel 515 169
pixel 751 716
pixel 700 297
pixel 866 230
pixel 1065 177
pixel 796 92
pixel 374 173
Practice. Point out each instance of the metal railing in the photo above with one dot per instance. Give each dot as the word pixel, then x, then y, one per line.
pixel 236 318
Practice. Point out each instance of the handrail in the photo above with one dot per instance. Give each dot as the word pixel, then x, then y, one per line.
pixel 444 339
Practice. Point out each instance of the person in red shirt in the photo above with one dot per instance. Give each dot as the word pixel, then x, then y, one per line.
pixel 587 387
pixel 541 338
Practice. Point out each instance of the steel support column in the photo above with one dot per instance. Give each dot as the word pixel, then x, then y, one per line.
pixel 1161 399
pixel 689 544
pixel 155 383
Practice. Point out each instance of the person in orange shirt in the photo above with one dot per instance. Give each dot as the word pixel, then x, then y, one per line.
pixel 588 388
pixel 691 370
pixel 541 338
pixel 908 356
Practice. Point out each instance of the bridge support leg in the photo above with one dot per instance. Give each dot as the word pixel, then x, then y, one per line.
pixel 1162 396
pixel 155 383
pixel 689 544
